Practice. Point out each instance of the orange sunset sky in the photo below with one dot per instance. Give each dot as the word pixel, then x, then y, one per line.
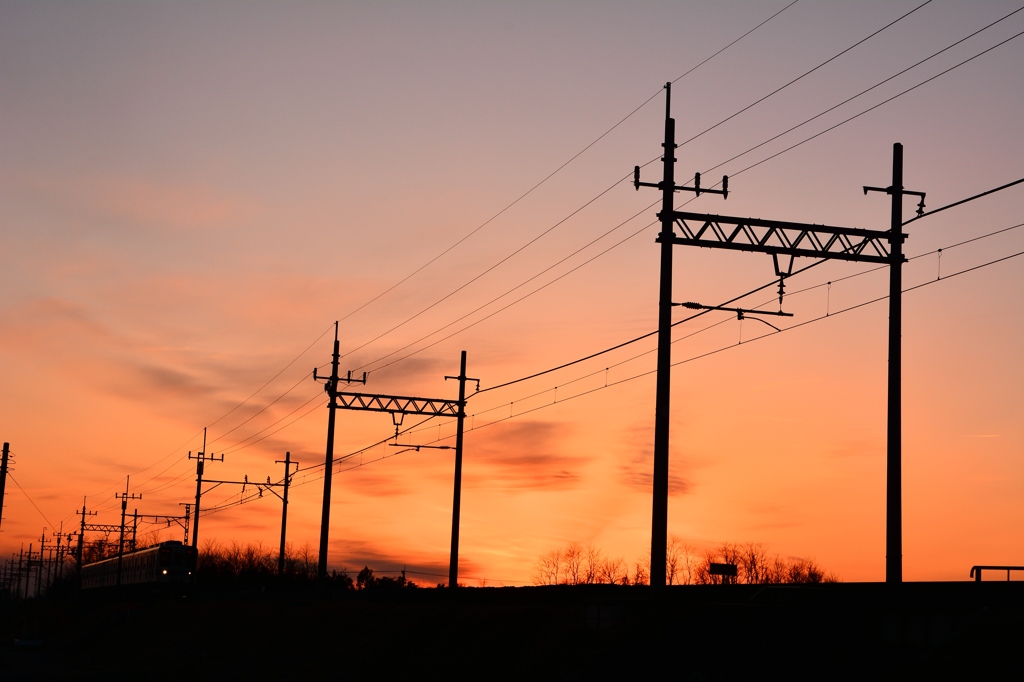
pixel 192 194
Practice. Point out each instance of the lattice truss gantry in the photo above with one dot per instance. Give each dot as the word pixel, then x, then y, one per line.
pixel 780 238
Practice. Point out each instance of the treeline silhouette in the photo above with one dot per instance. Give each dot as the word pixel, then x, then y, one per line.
pixel 583 564
pixel 256 563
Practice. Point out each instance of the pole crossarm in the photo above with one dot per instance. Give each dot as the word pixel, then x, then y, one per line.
pixel 434 407
pixel 781 238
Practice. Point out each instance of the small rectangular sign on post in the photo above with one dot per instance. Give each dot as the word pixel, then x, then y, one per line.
pixel 724 570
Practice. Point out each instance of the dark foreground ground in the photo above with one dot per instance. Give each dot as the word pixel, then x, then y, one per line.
pixel 842 631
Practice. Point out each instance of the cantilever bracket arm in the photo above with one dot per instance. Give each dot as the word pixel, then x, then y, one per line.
pixel 739 311
pixel 888 190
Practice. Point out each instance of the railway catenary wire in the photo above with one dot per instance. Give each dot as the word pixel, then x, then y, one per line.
pixel 318 476
pixel 872 108
pixel 862 92
pixel 847 120
pixel 735 345
pixel 605 191
pixel 790 148
pixel 557 170
pixel 553 227
pixel 467 236
pixel 806 73
pixel 416 428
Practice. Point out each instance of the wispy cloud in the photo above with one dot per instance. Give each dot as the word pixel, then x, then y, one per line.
pixel 637 468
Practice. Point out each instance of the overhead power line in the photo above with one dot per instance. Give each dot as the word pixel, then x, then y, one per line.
pixel 742 296
pixel 371 363
pixel 805 74
pixel 869 109
pixel 555 172
pixel 863 92
pixel 745 169
pixel 619 382
pixel 419 427
pixel 964 201
pixel 30 500
pixel 691 70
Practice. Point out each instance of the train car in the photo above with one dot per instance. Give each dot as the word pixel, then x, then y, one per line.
pixel 167 562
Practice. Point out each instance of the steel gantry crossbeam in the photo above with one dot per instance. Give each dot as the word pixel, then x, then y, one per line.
pixel 102 527
pixel 398 404
pixel 777 238
pixel 780 238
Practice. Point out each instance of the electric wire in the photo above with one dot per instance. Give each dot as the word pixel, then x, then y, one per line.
pixel 29 498
pixel 688 360
pixel 883 102
pixel 261 411
pixel 415 428
pixel 780 89
pixel 760 162
pixel 487 270
pixel 730 44
pixel 791 293
pixel 557 170
pixel 738 173
pixel 513 289
pixel 756 338
pixel 862 92
pixel 964 201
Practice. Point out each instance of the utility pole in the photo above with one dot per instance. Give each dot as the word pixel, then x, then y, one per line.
pixel 284 506
pixel 894 422
pixel 124 497
pixel 59 573
pixel 81 541
pixel 201 458
pixel 331 388
pixel 20 557
pixel 28 571
pixel 663 391
pixel 39 571
pixel 188 508
pixel 3 477
pixel 453 562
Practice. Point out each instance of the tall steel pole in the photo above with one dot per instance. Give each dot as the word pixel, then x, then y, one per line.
pixel 453 564
pixel 3 477
pixel 332 408
pixel 659 515
pixel 124 507
pixel 199 490
pixel 894 421
pixel 81 546
pixel 284 509
pixel 894 431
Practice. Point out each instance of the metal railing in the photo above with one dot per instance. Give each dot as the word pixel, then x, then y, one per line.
pixel 976 571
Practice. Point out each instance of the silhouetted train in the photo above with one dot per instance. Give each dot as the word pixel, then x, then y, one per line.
pixel 167 562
